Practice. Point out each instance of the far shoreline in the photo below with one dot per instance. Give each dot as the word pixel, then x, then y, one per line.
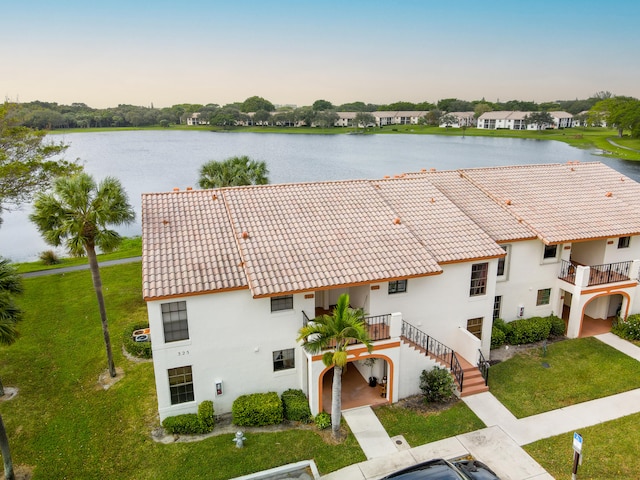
pixel 604 141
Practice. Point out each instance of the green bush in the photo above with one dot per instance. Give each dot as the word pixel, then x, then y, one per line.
pixel 498 337
pixel 206 415
pixel 295 406
pixel 528 330
pixel 436 384
pixel 188 423
pixel 191 423
pixel 49 257
pixel 500 324
pixel 257 410
pixel 323 420
pixel 137 349
pixel 628 329
pixel 557 326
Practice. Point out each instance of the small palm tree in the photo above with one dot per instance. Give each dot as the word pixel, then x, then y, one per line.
pixel 335 332
pixel 10 315
pixel 78 214
pixel 233 172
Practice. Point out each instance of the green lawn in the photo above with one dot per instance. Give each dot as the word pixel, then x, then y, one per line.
pixel 610 451
pixel 130 247
pixel 64 426
pixel 578 370
pixel 419 429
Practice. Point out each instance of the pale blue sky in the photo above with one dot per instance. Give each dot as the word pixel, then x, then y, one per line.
pixel 295 52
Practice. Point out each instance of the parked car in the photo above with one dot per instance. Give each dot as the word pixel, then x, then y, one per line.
pixel 441 469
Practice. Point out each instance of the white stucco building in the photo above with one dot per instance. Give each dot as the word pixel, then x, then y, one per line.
pixel 230 275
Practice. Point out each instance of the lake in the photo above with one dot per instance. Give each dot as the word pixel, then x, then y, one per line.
pixel 159 160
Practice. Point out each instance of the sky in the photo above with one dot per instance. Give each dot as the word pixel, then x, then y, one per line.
pixel 163 53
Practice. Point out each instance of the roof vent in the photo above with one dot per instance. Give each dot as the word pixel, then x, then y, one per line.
pixel 423 169
pixel 214 196
pixel 608 194
pixel 245 234
pixel 397 221
pixel 433 200
pixel 622 179
pixel 508 202
pixel 386 176
pixel 176 189
pixel 189 189
pixel 165 222
pixel 432 169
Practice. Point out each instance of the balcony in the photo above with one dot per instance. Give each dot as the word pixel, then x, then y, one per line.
pixel 596 274
pixel 378 326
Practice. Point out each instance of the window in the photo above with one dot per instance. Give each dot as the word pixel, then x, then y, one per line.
pixel 623 242
pixel 497 306
pixel 398 286
pixel 474 326
pixel 479 273
pixel 181 385
pixel 502 262
pixel 282 303
pixel 284 359
pixel 174 321
pixel 543 296
pixel 550 251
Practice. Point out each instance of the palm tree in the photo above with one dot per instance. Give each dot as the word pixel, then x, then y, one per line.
pixel 10 315
pixel 78 213
pixel 335 332
pixel 233 172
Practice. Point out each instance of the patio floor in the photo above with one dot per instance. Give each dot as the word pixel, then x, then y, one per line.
pixel 356 391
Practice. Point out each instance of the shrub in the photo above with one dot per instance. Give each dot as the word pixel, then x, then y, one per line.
pixel 191 423
pixel 557 326
pixel 436 384
pixel 498 337
pixel 528 330
pixel 137 349
pixel 188 423
pixel 206 415
pixel 257 410
pixel 49 257
pixel 629 328
pixel 323 420
pixel 295 406
pixel 500 325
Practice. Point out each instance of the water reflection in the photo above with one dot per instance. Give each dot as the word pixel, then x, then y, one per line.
pixel 153 161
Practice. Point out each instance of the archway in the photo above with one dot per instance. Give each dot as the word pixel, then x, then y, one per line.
pixel 357 389
pixel 599 313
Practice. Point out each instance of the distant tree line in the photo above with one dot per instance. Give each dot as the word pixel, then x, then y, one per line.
pixel 48 115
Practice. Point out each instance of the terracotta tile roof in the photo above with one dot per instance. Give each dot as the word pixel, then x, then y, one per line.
pixel 308 236
pixel 447 232
pixel 563 203
pixel 491 217
pixel 188 245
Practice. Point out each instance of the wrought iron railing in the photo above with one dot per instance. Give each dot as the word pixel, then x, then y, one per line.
pixel 435 349
pixel 598 274
pixel 305 319
pixel 483 366
pixel 378 326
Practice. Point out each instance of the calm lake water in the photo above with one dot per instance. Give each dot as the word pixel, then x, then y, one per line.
pixel 154 161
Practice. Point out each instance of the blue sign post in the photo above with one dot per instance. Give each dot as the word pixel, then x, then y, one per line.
pixel 577 454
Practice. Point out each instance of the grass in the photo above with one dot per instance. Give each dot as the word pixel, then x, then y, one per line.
pixel 64 426
pixel 130 247
pixel 579 370
pixel 610 450
pixel 421 428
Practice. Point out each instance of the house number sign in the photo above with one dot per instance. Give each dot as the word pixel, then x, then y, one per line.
pixel 183 353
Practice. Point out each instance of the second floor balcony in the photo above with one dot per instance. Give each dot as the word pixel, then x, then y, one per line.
pixel 591 275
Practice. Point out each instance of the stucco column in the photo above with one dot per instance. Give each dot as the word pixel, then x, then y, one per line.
pixel 575 314
pixel 635 270
pixel 582 276
pixel 395 325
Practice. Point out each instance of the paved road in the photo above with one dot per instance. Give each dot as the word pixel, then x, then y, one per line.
pixel 75 268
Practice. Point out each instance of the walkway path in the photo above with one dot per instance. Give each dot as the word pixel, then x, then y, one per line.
pixel 499 444
pixel 55 271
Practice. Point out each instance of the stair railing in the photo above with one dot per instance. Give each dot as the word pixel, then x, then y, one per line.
pixel 483 366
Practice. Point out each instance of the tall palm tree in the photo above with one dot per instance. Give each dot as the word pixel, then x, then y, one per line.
pixel 334 333
pixel 10 314
pixel 78 213
pixel 233 172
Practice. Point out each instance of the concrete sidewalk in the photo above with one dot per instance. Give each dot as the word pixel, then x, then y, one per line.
pixel 499 445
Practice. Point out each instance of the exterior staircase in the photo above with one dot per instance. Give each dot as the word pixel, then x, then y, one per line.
pixel 469 379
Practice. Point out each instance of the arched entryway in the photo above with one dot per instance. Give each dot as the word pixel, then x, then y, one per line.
pixel 596 314
pixel 363 383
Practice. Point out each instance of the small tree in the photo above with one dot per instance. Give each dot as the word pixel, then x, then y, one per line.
pixel 436 384
pixel 539 119
pixel 364 120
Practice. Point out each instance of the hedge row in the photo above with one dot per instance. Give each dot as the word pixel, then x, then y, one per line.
pixel 257 410
pixel 296 406
pixel 526 330
pixel 628 329
pixel 191 423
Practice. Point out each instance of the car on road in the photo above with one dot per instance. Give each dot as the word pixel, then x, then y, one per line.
pixel 441 469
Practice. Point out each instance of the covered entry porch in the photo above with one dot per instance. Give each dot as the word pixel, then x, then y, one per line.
pixel 356 390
